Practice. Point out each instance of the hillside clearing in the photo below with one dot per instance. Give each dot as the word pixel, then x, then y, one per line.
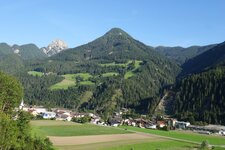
pixel 109 74
pixel 70 80
pixel 35 73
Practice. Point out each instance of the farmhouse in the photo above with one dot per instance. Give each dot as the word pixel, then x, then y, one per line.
pixel 161 124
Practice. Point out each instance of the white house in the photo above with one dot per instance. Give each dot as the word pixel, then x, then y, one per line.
pixel 182 124
pixel 150 126
pixel 49 115
pixel 222 132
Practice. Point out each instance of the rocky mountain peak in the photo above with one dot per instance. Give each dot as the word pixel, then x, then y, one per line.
pixel 55 47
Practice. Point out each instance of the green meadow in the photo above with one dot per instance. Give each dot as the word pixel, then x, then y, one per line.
pixel 131 73
pixel 128 74
pixel 56 128
pixel 154 145
pixel 189 136
pixel 70 80
pixel 45 128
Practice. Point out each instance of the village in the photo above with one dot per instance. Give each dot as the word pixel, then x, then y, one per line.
pixel 164 123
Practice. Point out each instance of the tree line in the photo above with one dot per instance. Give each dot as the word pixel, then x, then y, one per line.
pixel 14 125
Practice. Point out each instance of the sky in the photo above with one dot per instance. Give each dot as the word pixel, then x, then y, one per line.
pixel 154 22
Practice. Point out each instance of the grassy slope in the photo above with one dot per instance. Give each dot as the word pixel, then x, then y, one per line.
pixel 216 140
pixel 69 80
pixel 55 129
pixel 130 73
pixel 35 73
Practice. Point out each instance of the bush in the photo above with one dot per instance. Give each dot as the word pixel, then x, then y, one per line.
pixel 204 145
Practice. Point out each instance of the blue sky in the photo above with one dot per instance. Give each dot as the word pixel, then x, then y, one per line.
pixel 154 22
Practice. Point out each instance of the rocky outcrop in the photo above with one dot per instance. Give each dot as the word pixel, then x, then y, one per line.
pixel 55 47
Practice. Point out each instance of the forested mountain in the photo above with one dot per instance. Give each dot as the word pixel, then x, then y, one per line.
pixel 206 60
pixel 13 58
pixel 180 54
pixel 115 45
pixel 29 51
pixel 26 52
pixel 201 97
pixel 113 71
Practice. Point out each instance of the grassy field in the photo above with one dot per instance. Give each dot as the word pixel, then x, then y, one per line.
pixel 51 123
pixel 56 128
pixel 69 80
pixel 106 145
pixel 216 140
pixel 109 74
pixel 147 144
pixel 63 129
pixel 152 145
pixel 35 73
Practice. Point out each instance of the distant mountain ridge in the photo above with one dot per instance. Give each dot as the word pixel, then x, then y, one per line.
pixel 26 51
pixel 180 54
pixel 211 58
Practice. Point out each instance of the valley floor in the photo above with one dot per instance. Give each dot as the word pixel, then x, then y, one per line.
pixel 88 136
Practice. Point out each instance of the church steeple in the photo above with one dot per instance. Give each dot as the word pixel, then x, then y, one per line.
pixel 21 105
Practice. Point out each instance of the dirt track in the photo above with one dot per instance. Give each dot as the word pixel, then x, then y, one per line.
pixel 79 140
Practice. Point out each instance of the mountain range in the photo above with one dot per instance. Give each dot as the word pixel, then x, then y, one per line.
pixel 31 51
pixel 116 71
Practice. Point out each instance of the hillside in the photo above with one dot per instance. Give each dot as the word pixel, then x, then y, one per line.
pixel 200 97
pixel 180 54
pixel 206 60
pixel 11 64
pixel 5 49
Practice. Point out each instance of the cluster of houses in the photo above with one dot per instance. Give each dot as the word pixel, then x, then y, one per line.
pixel 56 113
pixel 117 120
